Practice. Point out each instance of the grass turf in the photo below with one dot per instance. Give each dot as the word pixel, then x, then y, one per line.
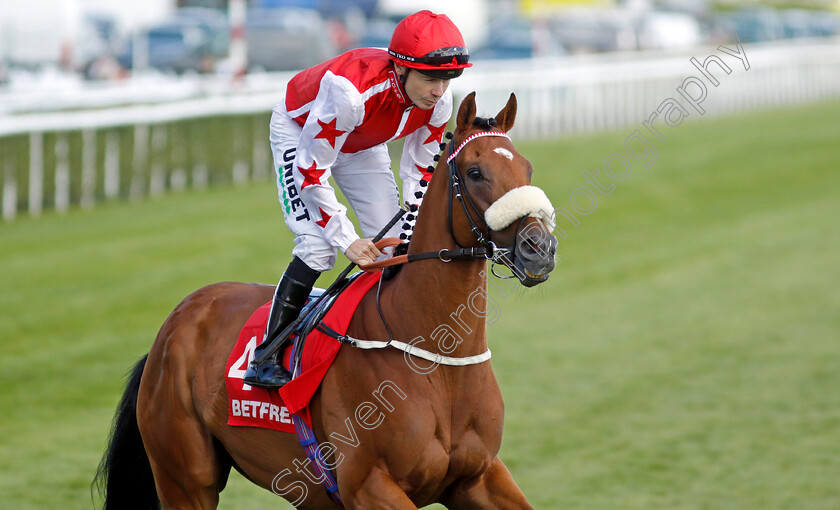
pixel 684 355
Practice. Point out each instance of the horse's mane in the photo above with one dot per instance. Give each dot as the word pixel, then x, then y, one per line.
pixel 483 123
pixel 486 124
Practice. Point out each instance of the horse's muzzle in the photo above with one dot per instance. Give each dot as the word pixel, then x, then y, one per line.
pixel 534 253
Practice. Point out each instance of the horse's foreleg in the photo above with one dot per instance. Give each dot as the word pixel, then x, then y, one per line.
pixel 377 490
pixel 494 489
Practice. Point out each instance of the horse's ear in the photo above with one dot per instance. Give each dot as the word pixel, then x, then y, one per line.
pixel 466 113
pixel 505 118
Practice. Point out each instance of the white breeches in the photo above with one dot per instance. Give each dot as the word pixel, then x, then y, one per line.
pixel 365 178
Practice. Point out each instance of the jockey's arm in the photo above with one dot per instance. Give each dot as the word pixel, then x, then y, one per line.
pixel 419 150
pixel 335 112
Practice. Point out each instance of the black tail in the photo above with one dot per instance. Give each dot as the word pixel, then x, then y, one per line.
pixel 124 477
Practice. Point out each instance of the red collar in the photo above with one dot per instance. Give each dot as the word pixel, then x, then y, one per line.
pixel 397 87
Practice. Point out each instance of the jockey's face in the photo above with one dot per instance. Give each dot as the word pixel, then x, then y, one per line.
pixel 424 91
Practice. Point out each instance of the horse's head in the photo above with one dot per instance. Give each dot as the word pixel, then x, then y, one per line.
pixel 498 206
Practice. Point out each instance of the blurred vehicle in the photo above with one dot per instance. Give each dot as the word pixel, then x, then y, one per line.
pixel 344 19
pixel 193 40
pixel 284 39
pixel 69 34
pixel 377 33
pixel 825 23
pixel 472 17
pixel 798 23
pixel 71 43
pixel 591 31
pixel 174 46
pixel 367 7
pixel 667 30
pixel 98 38
pixel 752 24
pixel 517 38
pixel 214 22
pixel 327 8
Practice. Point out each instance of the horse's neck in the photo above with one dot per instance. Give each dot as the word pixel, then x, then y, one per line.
pixel 439 298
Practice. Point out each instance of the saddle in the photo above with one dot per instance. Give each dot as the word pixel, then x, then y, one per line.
pixel 308 358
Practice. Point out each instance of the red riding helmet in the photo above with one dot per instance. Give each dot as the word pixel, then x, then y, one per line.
pixel 430 43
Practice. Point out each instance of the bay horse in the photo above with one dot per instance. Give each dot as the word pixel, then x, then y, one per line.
pixel 440 434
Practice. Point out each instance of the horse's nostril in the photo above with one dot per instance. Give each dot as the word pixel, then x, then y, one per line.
pixel 532 248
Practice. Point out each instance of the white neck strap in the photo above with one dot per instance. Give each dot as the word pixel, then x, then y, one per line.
pixel 413 350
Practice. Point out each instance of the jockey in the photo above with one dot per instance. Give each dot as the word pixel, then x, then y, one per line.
pixel 335 121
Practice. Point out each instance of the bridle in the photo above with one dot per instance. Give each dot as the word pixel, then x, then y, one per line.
pixel 487 249
pixel 458 190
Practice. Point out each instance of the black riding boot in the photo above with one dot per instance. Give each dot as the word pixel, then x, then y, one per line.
pixel 289 298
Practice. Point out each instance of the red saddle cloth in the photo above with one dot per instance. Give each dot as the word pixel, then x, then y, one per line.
pixel 256 407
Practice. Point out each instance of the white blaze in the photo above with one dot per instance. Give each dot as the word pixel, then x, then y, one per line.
pixel 503 152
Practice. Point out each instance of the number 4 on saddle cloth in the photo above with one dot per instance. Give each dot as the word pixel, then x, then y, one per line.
pixel 258 407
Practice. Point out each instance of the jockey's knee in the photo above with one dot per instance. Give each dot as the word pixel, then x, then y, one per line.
pixel 315 252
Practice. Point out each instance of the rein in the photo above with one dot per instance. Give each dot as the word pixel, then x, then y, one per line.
pixel 443 255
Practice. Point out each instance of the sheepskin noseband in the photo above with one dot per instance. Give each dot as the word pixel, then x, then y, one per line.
pixel 519 202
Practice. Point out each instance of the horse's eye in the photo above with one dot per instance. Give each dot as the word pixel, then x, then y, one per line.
pixel 474 174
